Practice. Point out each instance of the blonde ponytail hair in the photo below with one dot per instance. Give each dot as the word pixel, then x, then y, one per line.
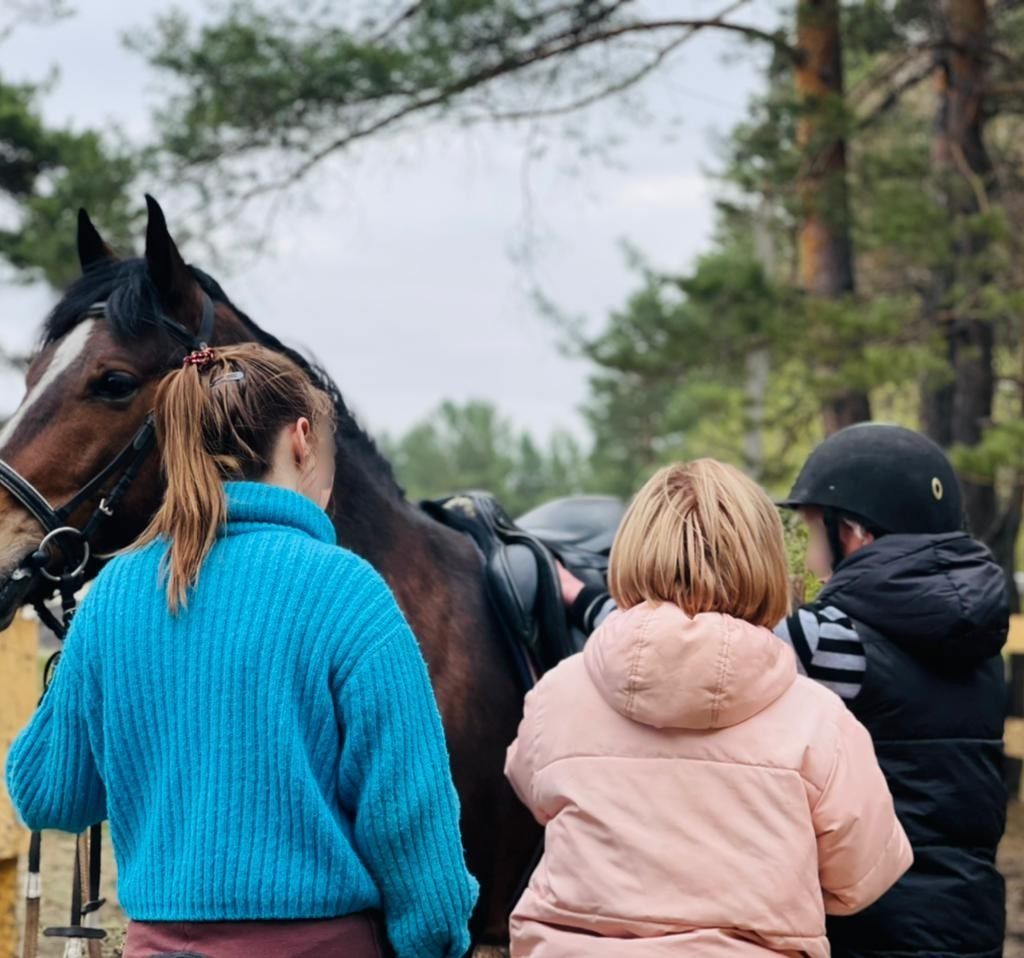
pixel 706 538
pixel 215 421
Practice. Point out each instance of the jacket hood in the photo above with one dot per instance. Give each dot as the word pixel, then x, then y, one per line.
pixel 942 597
pixel 656 665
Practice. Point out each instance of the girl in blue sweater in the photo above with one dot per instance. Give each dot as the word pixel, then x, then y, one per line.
pixel 246 704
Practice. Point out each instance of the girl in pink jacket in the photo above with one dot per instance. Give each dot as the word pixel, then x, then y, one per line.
pixel 699 797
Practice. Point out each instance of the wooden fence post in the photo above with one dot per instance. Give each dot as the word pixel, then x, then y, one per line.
pixel 1014 735
pixel 19 692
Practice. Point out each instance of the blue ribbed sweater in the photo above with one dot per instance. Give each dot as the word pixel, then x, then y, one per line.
pixel 274 751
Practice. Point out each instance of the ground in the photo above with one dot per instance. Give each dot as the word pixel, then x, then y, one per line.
pixel 58 856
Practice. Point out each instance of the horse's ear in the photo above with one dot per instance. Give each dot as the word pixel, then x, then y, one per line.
pixel 91 247
pixel 170 275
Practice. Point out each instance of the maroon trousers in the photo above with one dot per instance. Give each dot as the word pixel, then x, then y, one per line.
pixel 355 936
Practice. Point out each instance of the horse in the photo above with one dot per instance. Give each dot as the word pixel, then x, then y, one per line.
pixel 106 344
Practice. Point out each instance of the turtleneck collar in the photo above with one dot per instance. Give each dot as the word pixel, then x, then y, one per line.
pixel 255 504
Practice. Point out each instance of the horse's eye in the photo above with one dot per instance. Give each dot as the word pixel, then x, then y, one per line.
pixel 115 385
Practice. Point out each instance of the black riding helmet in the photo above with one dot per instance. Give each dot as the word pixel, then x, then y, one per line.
pixel 891 479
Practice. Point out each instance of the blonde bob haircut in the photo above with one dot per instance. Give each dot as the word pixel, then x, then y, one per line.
pixel 706 538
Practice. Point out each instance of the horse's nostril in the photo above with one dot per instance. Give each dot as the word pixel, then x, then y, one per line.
pixel 37 560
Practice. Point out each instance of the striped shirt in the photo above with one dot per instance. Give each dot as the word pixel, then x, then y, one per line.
pixel 591 608
pixel 827 648
pixel 826 644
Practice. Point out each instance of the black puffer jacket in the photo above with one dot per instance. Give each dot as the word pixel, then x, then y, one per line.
pixel 932 614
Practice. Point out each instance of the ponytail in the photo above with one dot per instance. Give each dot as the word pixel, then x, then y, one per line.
pixel 218 418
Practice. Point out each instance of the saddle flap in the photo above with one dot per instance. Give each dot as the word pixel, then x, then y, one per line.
pixel 512 577
pixel 521 577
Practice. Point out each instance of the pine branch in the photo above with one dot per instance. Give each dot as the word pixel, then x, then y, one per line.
pixel 558 46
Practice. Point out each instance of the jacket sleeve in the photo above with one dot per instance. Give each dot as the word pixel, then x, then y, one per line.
pixel 52 775
pixel 862 848
pixel 590 608
pixel 521 758
pixel 395 772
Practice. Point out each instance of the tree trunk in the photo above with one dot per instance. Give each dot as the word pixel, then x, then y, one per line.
pixel 957 411
pixel 826 252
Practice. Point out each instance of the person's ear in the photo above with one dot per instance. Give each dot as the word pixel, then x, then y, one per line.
pixel 853 536
pixel 302 440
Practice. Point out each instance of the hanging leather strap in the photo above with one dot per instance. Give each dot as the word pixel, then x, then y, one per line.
pixel 33 889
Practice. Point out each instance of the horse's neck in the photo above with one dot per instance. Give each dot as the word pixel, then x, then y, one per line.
pixel 369 521
pixel 412 552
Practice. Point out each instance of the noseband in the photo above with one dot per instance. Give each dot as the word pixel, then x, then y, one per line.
pixel 76 544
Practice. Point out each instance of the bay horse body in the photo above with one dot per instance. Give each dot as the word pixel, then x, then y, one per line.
pixel 90 388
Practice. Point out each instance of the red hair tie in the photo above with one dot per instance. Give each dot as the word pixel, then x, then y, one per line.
pixel 200 358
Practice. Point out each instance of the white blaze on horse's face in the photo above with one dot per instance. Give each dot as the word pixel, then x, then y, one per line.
pixel 19 532
pixel 68 351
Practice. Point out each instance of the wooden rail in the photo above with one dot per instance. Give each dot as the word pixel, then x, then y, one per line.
pixel 19 692
pixel 1014 735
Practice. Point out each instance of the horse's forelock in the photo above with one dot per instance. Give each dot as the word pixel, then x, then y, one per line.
pixel 124 285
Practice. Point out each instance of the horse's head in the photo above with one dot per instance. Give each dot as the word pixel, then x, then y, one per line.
pixel 105 346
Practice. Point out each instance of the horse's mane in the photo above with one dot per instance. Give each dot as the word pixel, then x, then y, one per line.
pixel 133 310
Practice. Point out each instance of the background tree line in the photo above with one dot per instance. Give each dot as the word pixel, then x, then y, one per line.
pixel 867 260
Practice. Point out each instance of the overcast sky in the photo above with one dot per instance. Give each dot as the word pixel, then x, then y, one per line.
pixel 400 265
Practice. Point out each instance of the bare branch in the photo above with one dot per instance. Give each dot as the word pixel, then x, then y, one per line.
pixel 895 94
pixel 981 50
pixel 889 67
pixel 557 46
pixel 395 22
pixel 973 180
pixel 619 86
pixel 754 33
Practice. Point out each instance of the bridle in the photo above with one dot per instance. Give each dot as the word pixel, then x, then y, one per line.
pixel 76 544
pixel 76 550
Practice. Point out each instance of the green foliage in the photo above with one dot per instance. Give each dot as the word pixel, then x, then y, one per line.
pixel 471 446
pixel 667 366
pixel 806 584
pixel 48 173
pixel 730 358
pixel 1002 447
pixel 674 377
pixel 84 173
pixel 299 81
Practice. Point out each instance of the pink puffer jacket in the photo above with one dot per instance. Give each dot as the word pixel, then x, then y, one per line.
pixel 700 798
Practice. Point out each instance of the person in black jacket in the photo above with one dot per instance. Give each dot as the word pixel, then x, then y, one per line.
pixel 907 630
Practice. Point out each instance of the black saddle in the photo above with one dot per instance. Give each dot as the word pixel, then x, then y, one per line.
pixel 519 561
pixel 579 530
